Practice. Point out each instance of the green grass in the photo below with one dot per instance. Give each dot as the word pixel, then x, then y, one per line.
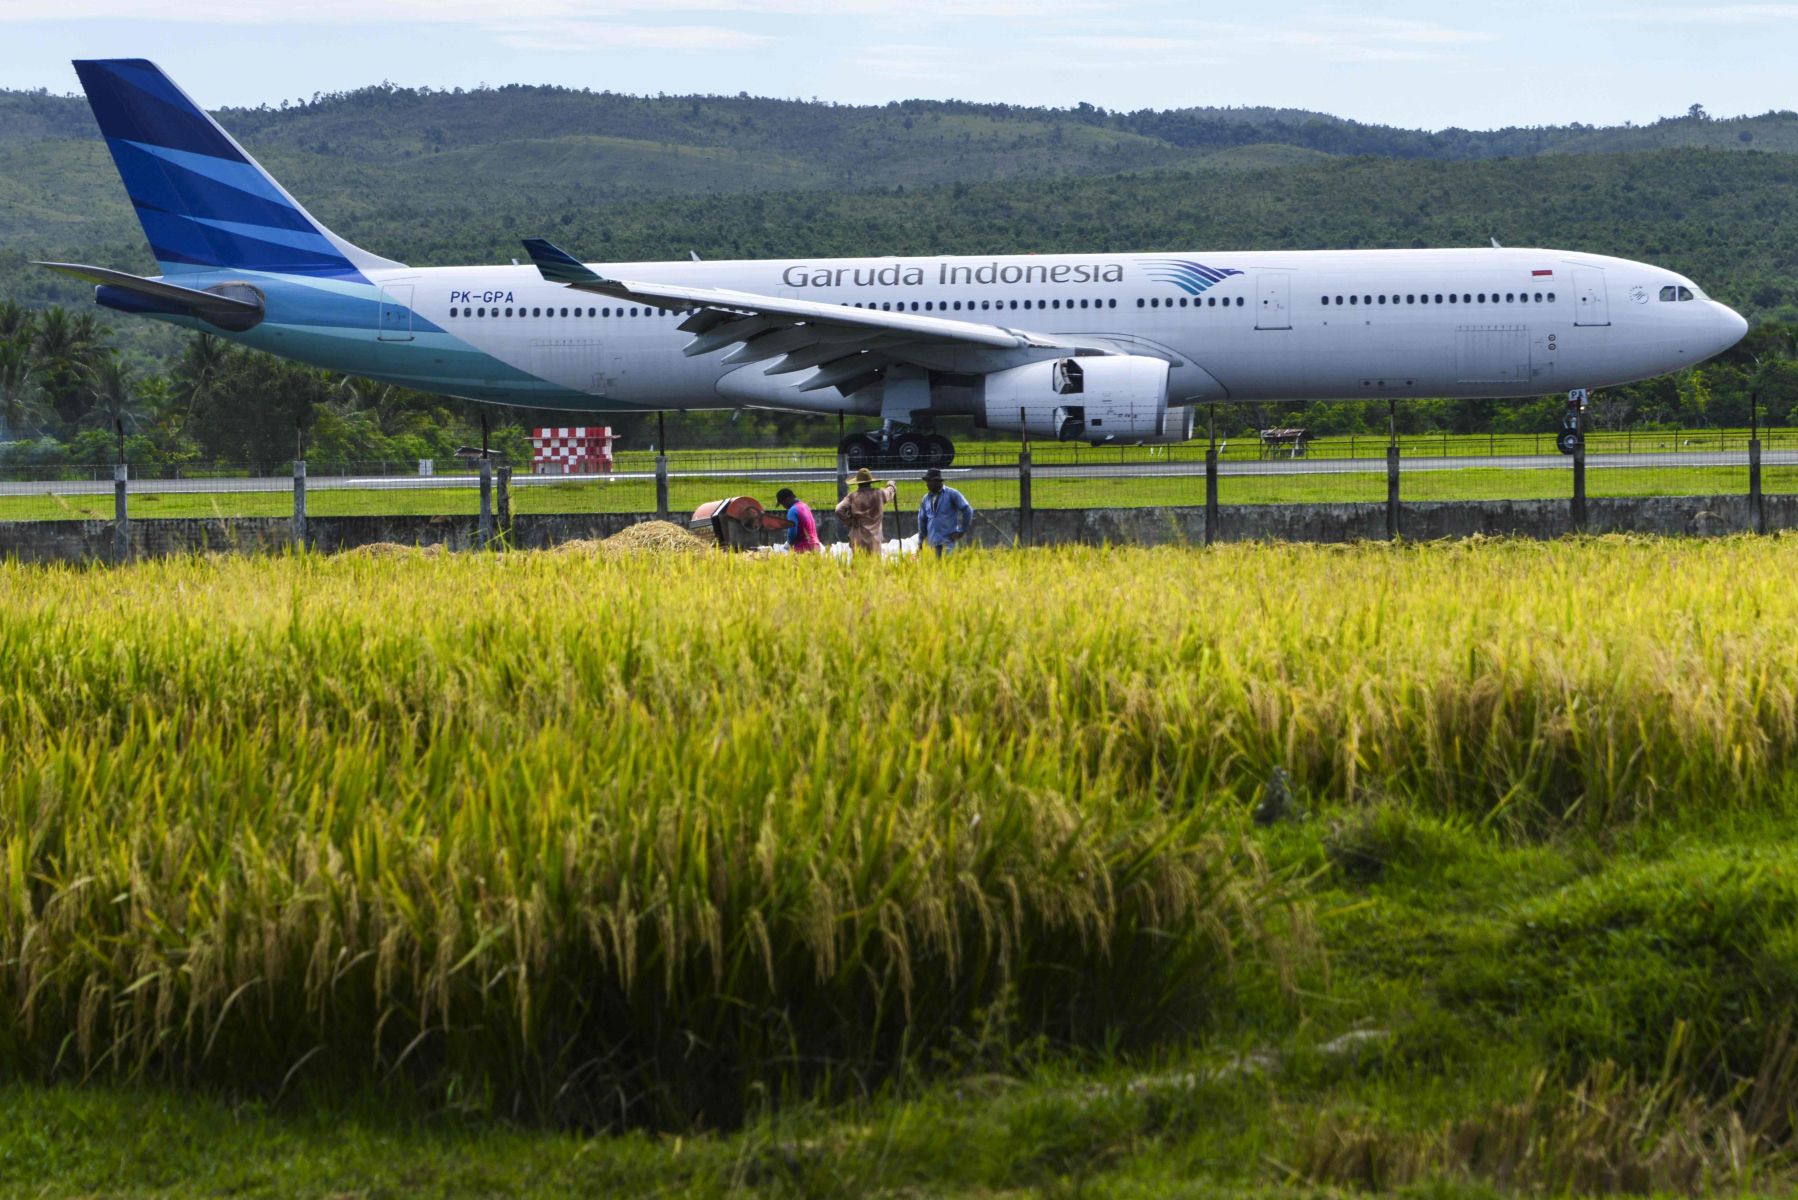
pixel 1049 490
pixel 318 873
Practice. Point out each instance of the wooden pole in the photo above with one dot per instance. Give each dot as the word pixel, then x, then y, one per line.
pixel 1211 511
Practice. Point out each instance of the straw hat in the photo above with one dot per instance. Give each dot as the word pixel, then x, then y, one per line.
pixel 864 476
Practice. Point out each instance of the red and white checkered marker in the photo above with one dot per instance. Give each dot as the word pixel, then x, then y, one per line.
pixel 572 450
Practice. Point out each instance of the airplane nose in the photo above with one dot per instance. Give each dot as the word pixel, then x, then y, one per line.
pixel 1731 326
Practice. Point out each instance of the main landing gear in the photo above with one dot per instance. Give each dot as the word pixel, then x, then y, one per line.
pixel 897 448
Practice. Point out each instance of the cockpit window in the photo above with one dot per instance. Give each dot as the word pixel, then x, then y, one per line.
pixel 1669 292
pixel 1685 293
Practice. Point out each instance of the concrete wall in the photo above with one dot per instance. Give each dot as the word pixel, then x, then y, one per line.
pixel 1702 516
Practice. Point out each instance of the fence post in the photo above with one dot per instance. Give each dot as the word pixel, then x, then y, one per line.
pixel 842 475
pixel 505 503
pixel 1756 511
pixel 1392 470
pixel 299 504
pixel 486 501
pixel 121 523
pixel 1211 513
pixel 661 485
pixel 1579 470
pixel 1026 514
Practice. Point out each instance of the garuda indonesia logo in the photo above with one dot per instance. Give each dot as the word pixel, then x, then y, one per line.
pixel 1190 277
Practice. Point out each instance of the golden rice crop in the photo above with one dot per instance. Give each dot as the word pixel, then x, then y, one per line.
pixel 644 837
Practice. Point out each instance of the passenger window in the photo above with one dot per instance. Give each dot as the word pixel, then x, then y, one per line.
pixel 1382 299
pixel 1510 297
pixel 1551 297
pixel 480 312
pixel 1354 299
pixel 1326 300
pixel 1410 299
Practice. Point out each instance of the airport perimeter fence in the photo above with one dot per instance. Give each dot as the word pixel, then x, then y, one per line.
pixel 1025 478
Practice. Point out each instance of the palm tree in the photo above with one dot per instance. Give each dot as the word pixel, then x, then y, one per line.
pixel 17 323
pixel 196 377
pixel 65 347
pixel 110 392
pixel 21 404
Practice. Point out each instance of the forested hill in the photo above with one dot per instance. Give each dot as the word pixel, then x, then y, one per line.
pixel 752 142
pixel 436 178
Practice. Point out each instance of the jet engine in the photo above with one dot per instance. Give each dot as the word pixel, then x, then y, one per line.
pixel 1099 399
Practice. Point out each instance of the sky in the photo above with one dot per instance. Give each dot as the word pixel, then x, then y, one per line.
pixel 1398 62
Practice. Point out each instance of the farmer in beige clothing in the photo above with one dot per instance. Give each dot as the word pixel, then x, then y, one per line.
pixel 863 511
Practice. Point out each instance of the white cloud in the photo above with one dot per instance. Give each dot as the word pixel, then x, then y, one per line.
pixel 553 36
pixel 1716 14
pixel 497 13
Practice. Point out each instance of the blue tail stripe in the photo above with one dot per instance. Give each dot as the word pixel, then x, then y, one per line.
pixel 169 188
pixel 133 100
pixel 180 243
pixel 244 177
pixel 301 239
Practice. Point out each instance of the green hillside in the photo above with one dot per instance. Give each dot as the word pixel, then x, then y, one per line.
pixel 438 179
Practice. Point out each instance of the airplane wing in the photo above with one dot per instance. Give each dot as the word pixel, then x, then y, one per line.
pixel 845 346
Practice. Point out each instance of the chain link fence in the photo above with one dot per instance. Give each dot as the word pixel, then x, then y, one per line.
pixel 281 498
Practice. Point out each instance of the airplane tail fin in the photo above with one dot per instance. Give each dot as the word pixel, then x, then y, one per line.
pixel 204 203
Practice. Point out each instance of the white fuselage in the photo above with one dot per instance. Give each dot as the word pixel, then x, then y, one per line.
pixel 1275 325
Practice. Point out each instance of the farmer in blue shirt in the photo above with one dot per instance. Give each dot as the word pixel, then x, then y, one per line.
pixel 945 516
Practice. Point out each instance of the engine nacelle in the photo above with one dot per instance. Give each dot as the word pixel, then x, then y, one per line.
pixel 1103 398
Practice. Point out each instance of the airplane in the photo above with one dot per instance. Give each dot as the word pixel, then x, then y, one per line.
pixel 1105 348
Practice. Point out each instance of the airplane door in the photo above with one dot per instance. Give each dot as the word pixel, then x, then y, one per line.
pixel 1591 303
pixel 1273 303
pixel 396 313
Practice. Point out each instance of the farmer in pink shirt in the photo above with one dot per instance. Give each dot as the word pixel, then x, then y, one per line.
pixel 803 539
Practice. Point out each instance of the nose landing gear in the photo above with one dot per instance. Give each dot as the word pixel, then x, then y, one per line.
pixel 1573 432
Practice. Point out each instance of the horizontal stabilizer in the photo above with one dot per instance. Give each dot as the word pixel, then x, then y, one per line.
pixel 236 309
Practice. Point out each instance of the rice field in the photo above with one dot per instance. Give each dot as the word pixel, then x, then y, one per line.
pixel 642 839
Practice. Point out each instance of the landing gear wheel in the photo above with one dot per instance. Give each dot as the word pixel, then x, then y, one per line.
pixel 1569 442
pixel 858 450
pixel 939 451
pixel 909 450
